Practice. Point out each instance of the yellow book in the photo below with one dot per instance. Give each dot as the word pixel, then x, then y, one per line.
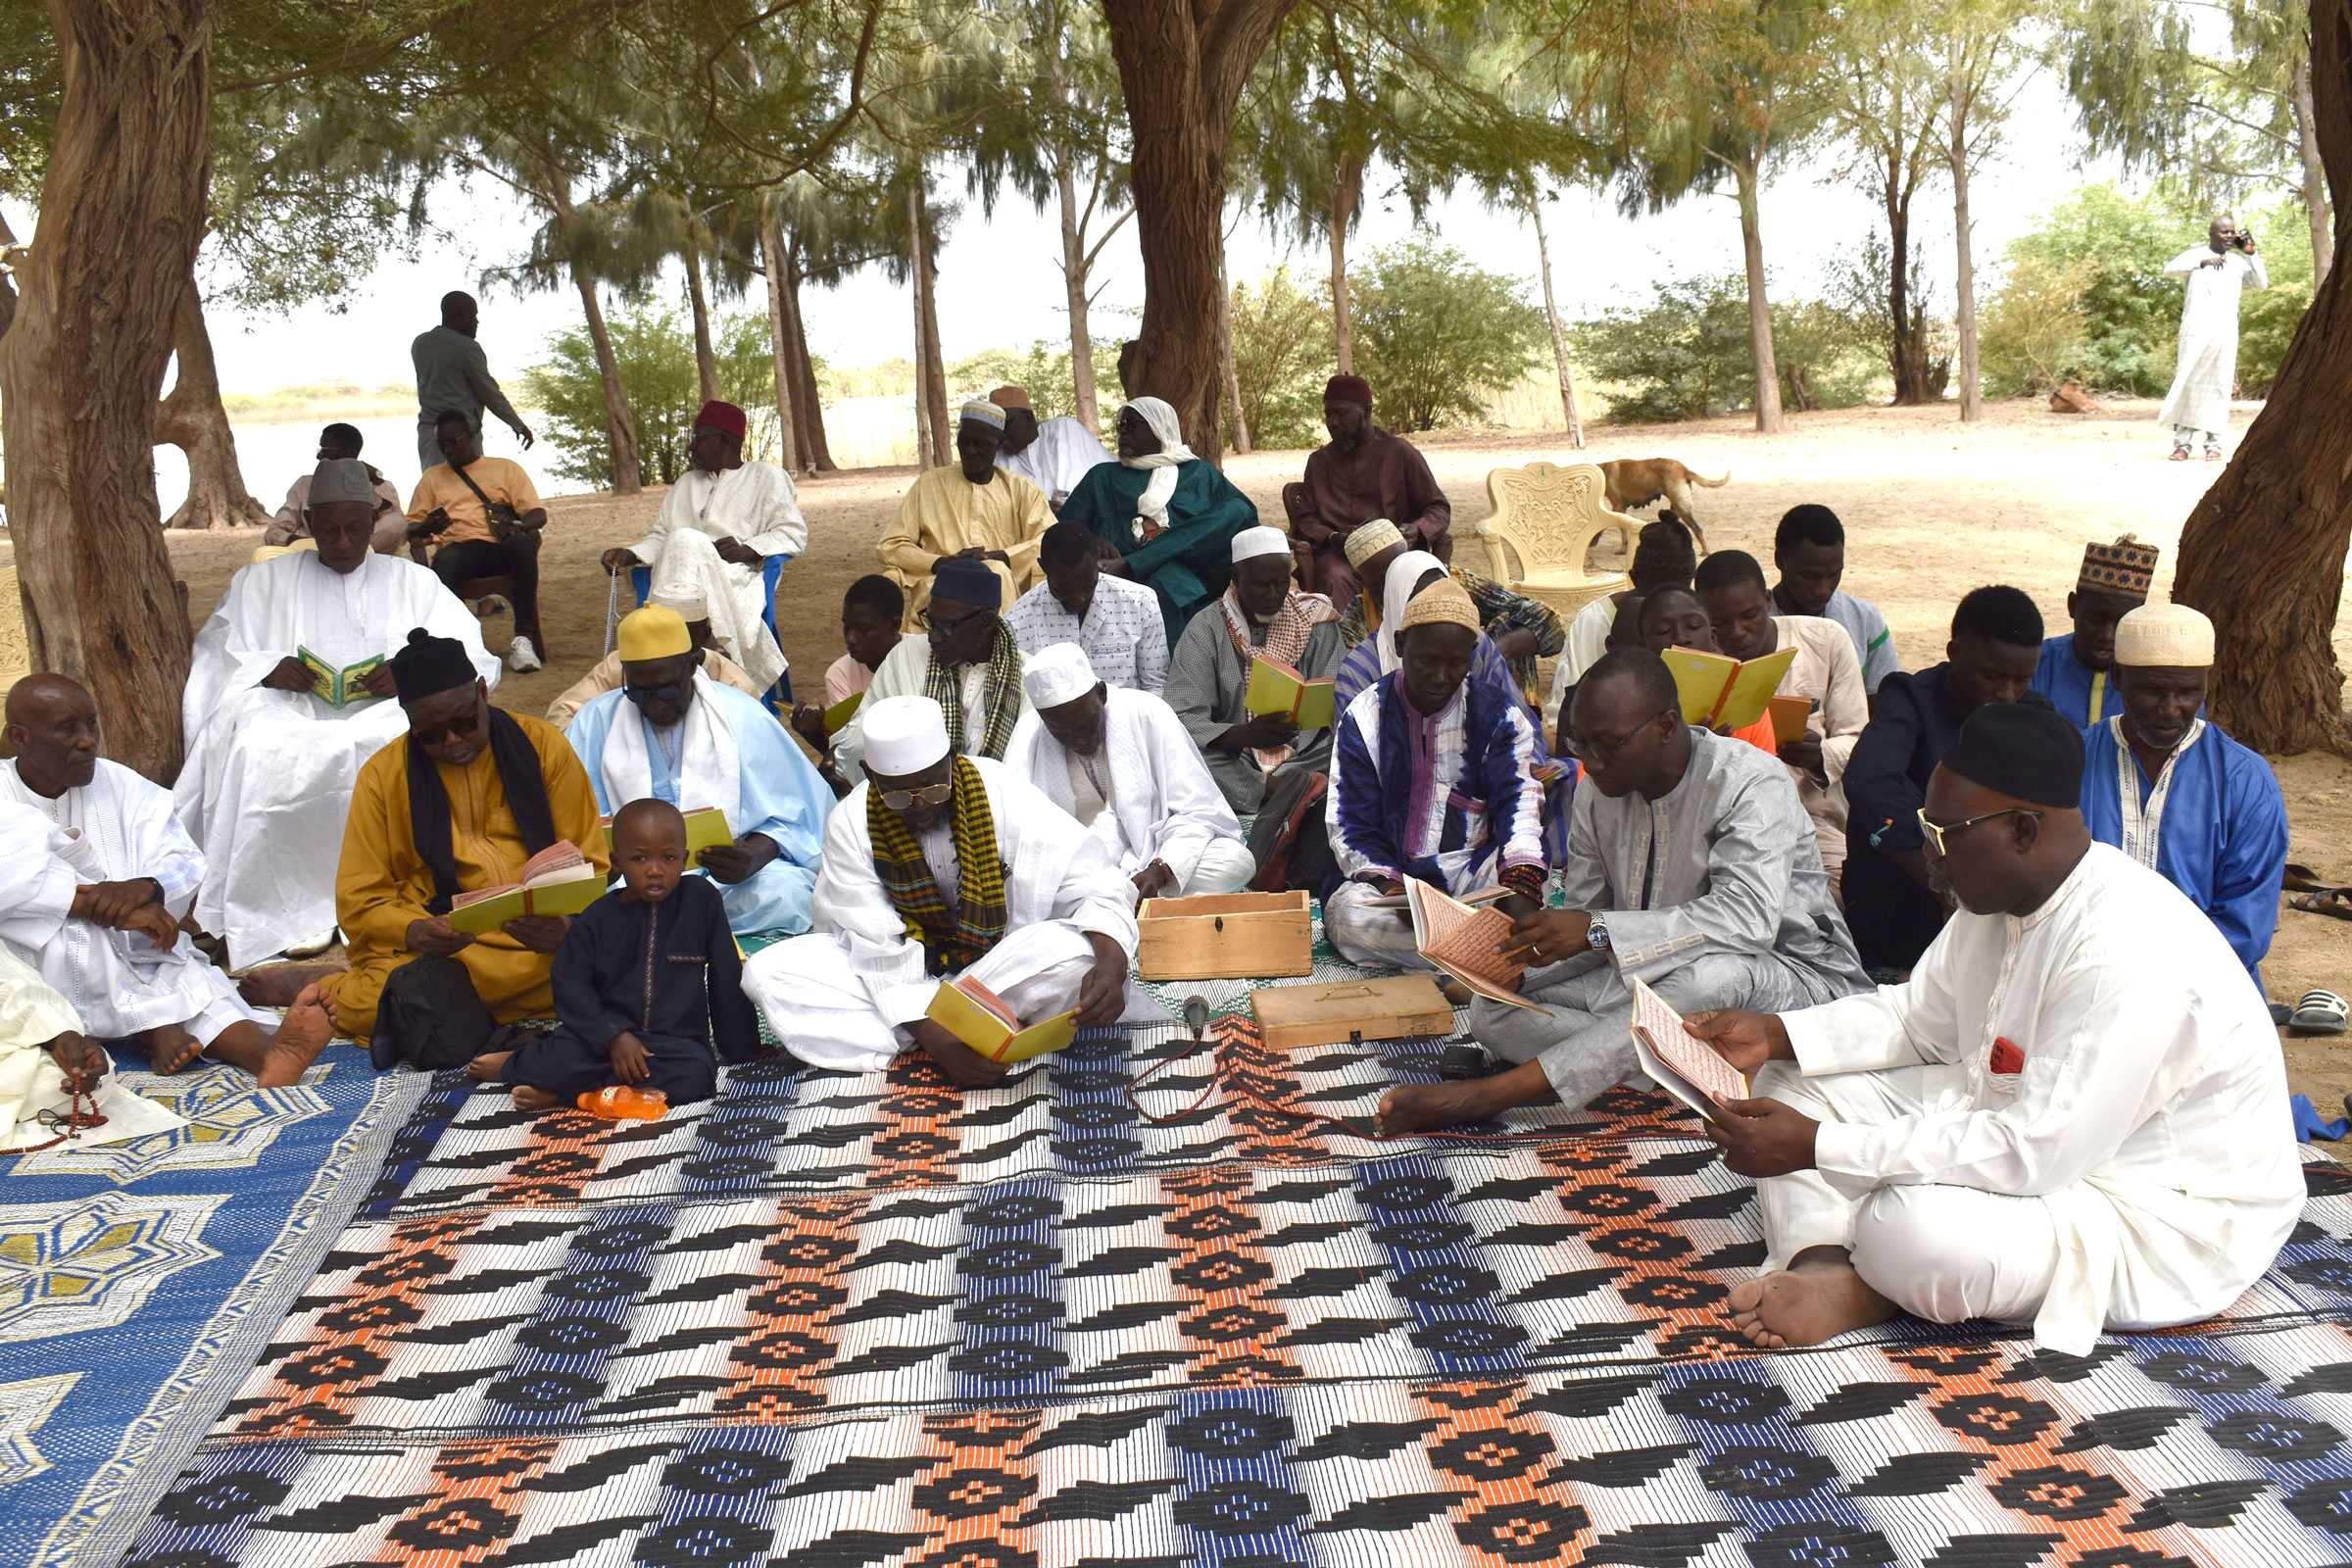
pixel 1277 688
pixel 705 827
pixel 1789 716
pixel 1723 693
pixel 979 1017
pixel 841 712
pixel 557 880
pixel 338 687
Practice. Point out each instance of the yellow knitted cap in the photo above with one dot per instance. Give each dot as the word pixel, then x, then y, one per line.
pixel 653 632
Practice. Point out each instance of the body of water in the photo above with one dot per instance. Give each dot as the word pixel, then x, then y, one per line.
pixel 277 453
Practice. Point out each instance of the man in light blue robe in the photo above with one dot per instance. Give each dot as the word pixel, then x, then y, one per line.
pixel 674 734
pixel 2169 789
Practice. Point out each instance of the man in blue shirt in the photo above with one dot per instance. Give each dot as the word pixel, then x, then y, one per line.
pixel 2169 789
pixel 2076 670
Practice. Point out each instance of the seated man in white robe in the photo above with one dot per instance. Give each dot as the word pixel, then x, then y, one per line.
pixel 604 674
pixel 95 906
pixel 939 866
pixel 1053 454
pixel 271 762
pixel 716 530
pixel 45 1059
pixel 966 660
pixel 2073 1114
pixel 1120 761
pixel 1690 866
pixel 673 734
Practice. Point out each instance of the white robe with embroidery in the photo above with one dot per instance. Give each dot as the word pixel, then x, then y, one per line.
pixel 112 829
pixel 755 504
pixel 268 775
pixel 1163 804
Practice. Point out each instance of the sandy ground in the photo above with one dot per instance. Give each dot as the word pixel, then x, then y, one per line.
pixel 1932 511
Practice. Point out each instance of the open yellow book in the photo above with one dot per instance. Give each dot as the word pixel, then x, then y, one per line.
pixel 841 712
pixel 557 880
pixel 705 827
pixel 1723 693
pixel 979 1017
pixel 338 687
pixel 1277 688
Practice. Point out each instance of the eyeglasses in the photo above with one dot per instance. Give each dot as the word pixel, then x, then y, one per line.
pixel 669 691
pixel 435 734
pixel 1937 836
pixel 947 628
pixel 1603 748
pixel 908 800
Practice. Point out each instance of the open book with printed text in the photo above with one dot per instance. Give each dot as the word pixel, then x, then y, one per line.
pixel 557 880
pixel 1683 1065
pixel 1465 941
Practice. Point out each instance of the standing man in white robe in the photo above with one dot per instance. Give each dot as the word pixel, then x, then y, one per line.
pixel 1046 923
pixel 674 734
pixel 1053 456
pixel 2073 1114
pixel 270 765
pixel 1121 763
pixel 2219 273
pixel 716 530
pixel 96 906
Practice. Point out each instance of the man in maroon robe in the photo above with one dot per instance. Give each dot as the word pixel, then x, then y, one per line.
pixel 1363 473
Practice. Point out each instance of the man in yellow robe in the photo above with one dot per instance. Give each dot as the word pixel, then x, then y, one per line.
pixel 460 803
pixel 973 510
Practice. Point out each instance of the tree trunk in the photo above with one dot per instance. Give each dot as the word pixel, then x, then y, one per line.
pixel 1964 271
pixel 1181 70
pixel 1074 270
pixel 2315 177
pixel 192 419
pixel 705 362
pixel 1233 378
pixel 1347 189
pixel 1759 305
pixel 779 337
pixel 934 380
pixel 2263 553
pixel 922 379
pixel 1559 338
pixel 1910 340
pixel 121 214
pixel 620 422
pixel 808 412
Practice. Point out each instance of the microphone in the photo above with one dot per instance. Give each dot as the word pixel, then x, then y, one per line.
pixel 1196 1017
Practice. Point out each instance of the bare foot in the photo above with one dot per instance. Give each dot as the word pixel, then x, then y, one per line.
pixel 1411 1108
pixel 528 1097
pixel 169 1048
pixel 1804 1306
pixel 485 1068
pixel 278 985
pixel 307 1029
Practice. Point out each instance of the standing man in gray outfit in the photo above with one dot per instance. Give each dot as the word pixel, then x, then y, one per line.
pixel 454 373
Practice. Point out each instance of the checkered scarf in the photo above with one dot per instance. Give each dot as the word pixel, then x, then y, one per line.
pixel 1001 692
pixel 950 939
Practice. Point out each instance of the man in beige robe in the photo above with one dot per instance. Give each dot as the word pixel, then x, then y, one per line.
pixel 972 509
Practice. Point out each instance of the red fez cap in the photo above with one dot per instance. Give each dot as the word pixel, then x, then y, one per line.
pixel 724 417
pixel 1349 389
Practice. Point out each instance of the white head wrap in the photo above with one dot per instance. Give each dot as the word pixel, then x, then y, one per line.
pixel 1151 507
pixel 1057 674
pixel 686 599
pixel 1397 592
pixel 2163 637
pixel 1250 543
pixel 904 735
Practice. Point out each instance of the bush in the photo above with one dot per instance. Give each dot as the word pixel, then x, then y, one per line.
pixel 1047 370
pixel 655 350
pixel 1282 351
pixel 1435 334
pixel 2110 248
pixel 1686 354
pixel 2036 332
pixel 2271 316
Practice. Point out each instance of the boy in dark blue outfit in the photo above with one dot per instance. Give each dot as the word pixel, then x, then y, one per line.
pixel 645 981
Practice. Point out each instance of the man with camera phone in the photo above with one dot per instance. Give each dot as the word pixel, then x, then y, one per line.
pixel 2219 273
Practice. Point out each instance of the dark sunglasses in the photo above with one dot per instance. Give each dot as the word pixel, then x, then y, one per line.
pixel 456 728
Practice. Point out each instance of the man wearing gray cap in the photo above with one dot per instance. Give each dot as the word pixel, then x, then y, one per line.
pixel 285 701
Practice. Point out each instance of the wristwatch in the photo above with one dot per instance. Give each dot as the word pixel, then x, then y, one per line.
pixel 1597 934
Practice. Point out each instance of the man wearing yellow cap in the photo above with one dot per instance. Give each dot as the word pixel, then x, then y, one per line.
pixel 1053 454
pixel 673 734
pixel 2169 789
pixel 693 608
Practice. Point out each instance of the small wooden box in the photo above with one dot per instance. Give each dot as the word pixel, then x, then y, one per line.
pixel 1399 1007
pixel 1225 936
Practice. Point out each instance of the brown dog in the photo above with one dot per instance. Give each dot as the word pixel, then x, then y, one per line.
pixel 1639 481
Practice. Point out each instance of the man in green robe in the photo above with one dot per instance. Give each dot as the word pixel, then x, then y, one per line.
pixel 1170 516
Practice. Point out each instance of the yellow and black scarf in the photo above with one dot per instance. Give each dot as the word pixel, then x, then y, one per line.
pixel 950 939
pixel 1000 696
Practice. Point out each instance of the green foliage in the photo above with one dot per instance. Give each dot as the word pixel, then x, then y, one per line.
pixel 2111 248
pixel 1280 340
pixel 1685 355
pixel 2268 322
pixel 1047 370
pixel 1436 333
pixel 2036 331
pixel 655 352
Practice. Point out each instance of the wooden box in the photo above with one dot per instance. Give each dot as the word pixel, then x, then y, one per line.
pixel 1225 936
pixel 1399 1007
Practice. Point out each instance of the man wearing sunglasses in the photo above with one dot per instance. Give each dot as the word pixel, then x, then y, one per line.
pixel 460 803
pixel 2073 1114
pixel 942 864
pixel 671 733
pixel 1690 866
pixel 963 657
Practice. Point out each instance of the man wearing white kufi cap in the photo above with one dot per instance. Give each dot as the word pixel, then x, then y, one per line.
pixel 1260 762
pixel 1040 916
pixel 970 510
pixel 1120 762
pixel 693 608
pixel 2164 784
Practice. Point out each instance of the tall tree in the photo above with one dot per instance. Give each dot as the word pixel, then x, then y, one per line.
pixel 1984 67
pixel 2263 553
